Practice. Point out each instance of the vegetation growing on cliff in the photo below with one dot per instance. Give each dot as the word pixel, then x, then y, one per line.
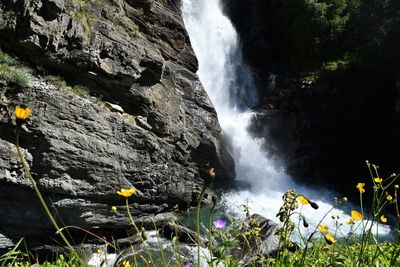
pixel 310 33
pixel 11 70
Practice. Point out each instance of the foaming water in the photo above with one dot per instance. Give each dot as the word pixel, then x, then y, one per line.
pixel 230 86
pixel 152 246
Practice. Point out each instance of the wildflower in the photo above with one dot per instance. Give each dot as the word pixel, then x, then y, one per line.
pixel 360 187
pixel 208 179
pixel 211 172
pixel 323 228
pixel 344 199
pixel 389 198
pixel 126 192
pixel 187 264
pixel 378 180
pixel 383 218
pixel 220 224
pixel 99 251
pixel 314 205
pixel 330 239
pixel 303 200
pixel 126 263
pixel 396 186
pixel 351 221
pixel 22 113
pixel 356 215
pixel 114 209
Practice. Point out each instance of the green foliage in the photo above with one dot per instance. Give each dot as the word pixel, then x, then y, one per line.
pixel 11 71
pixel 5 70
pixel 18 78
pixel 81 90
pixel 8 60
pixel 61 84
pixel 311 31
pixel 15 257
pixel 335 65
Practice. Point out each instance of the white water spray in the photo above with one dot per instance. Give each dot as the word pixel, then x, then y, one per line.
pixel 229 84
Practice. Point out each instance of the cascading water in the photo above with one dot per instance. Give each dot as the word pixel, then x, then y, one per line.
pixel 229 84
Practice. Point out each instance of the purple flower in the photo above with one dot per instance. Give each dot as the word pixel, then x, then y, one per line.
pixel 187 264
pixel 220 224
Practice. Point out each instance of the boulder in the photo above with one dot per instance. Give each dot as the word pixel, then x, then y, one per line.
pixel 268 242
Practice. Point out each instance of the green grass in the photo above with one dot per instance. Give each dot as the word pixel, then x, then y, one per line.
pixel 11 72
pixel 8 59
pixel 18 78
pixel 62 85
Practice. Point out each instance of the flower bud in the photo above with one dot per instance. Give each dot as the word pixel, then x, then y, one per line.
pixel 305 224
pixel 214 200
pixel 314 205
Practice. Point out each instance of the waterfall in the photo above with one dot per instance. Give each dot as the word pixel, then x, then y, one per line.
pixel 230 86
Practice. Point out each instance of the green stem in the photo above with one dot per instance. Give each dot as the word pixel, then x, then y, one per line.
pixel 160 246
pixel 137 230
pixel 198 224
pixel 39 195
pixel 130 216
pixel 210 244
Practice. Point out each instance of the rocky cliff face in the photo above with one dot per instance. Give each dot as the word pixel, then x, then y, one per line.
pixel 131 112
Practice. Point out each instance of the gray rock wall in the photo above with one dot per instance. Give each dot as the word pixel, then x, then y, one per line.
pixel 145 121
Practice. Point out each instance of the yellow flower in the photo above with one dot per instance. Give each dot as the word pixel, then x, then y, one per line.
pixel 389 198
pixel 303 200
pixel 383 218
pixel 329 237
pixel 323 228
pixel 126 192
pixel 22 112
pixel 378 180
pixel 99 251
pixel 114 209
pixel 126 264
pixel 351 221
pixel 356 215
pixel 211 172
pixel 360 187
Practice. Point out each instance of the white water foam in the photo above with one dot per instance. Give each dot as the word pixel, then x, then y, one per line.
pixel 229 84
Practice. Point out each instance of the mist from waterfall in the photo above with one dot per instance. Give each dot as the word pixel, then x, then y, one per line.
pixel 231 88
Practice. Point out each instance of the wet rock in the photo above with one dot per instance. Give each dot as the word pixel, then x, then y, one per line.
pixel 114 107
pixel 184 234
pixel 5 242
pixel 268 243
pixel 143 123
